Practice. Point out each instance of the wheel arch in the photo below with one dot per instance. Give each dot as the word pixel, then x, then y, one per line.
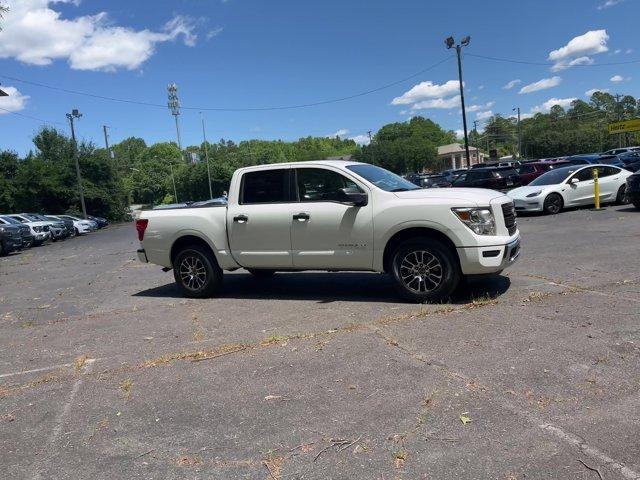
pixel 190 239
pixel 411 233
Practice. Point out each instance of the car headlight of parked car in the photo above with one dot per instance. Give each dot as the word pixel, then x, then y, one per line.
pixel 534 194
pixel 480 220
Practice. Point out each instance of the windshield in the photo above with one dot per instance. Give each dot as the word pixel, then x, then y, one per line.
pixel 11 220
pixel 554 177
pixel 383 179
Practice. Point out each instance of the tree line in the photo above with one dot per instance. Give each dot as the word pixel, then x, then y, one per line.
pixel 136 173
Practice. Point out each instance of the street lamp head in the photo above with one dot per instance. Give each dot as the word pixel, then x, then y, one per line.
pixel 76 113
pixel 450 42
pixel 465 41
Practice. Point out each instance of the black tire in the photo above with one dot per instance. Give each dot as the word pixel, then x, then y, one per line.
pixel 3 251
pixel 553 204
pixel 261 273
pixel 433 266
pixel 196 272
pixel 621 197
pixel 77 231
pixel 636 203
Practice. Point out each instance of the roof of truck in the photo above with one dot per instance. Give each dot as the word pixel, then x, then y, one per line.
pixel 335 163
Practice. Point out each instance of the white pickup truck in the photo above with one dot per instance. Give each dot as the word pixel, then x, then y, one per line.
pixel 334 216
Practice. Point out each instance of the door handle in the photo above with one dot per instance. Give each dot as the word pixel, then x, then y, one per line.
pixel 302 217
pixel 241 219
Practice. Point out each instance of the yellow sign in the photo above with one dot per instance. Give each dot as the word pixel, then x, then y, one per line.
pixel 626 126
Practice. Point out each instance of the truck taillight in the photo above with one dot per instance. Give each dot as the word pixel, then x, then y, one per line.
pixel 141 226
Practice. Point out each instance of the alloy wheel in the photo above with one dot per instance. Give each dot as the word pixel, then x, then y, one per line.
pixel 193 273
pixel 421 271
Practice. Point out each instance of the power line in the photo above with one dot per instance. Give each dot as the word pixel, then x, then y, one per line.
pixel 33 118
pixel 549 64
pixel 231 109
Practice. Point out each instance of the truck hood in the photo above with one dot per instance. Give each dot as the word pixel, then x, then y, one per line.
pixel 478 196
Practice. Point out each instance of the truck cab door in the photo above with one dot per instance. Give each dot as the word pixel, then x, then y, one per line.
pixel 328 231
pixel 259 222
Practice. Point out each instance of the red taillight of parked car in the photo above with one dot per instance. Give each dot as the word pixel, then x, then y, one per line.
pixel 141 226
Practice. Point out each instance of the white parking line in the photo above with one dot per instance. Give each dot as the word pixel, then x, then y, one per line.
pixel 591 452
pixel 35 370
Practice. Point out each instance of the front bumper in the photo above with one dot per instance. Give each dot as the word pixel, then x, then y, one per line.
pixel 489 259
pixel 142 255
pixel 534 204
pixel 11 244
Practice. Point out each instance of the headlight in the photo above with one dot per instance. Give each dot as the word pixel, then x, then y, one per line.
pixel 1 229
pixel 37 229
pixel 534 194
pixel 479 220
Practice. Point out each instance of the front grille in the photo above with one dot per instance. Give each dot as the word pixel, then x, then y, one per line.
pixel 509 214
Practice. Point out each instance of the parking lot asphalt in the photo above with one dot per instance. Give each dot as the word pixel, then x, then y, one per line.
pixel 107 372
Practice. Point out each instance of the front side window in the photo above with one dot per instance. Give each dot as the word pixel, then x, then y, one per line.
pixel 383 179
pixel 584 175
pixel 527 169
pixel 321 185
pixel 265 186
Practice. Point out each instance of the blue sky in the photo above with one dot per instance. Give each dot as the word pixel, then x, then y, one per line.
pixel 257 53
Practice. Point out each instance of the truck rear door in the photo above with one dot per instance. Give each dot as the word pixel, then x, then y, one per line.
pixel 259 223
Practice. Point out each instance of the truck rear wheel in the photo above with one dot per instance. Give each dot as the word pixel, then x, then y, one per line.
pixel 424 270
pixel 196 272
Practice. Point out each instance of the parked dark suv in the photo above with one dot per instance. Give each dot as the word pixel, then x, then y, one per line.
pixel 494 178
pixel 633 189
pixel 10 239
pixel 25 232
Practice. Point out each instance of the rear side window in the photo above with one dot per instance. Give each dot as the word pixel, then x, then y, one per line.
pixel 265 186
pixel 607 171
pixel 527 169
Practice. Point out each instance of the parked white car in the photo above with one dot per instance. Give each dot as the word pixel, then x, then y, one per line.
pixel 39 230
pixel 570 187
pixel 80 224
pixel 334 215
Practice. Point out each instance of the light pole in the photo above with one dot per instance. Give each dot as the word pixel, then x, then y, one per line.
pixel 206 156
pixel 451 43
pixel 174 106
pixel 71 116
pixel 517 109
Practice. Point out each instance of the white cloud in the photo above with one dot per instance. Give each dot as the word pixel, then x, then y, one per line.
pixel 619 78
pixel 609 3
pixel 427 90
pixel 484 115
pixel 15 102
pixel 512 84
pixel 340 133
pixel 36 34
pixel 546 106
pixel 541 85
pixel 579 48
pixel 214 33
pixel 459 133
pixel 360 139
pixel 438 103
pixel 477 108
pixel 588 93
pixel 628 51
pixel 617 51
pixel 481 87
pixel 563 65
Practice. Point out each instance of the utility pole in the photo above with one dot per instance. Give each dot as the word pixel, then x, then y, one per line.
pixel 174 106
pixel 373 158
pixel 450 43
pixel 173 179
pixel 617 96
pixel 475 129
pixel 206 156
pixel 106 141
pixel 519 133
pixel 71 116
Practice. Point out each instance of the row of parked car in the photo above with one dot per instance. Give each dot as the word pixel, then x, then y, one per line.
pixel 556 182
pixel 25 230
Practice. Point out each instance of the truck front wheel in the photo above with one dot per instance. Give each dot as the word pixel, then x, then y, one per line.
pixel 196 272
pixel 425 270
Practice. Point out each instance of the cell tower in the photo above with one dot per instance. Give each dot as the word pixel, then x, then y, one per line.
pixel 174 106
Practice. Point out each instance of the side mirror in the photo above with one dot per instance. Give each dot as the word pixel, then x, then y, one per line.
pixel 353 197
pixel 574 181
